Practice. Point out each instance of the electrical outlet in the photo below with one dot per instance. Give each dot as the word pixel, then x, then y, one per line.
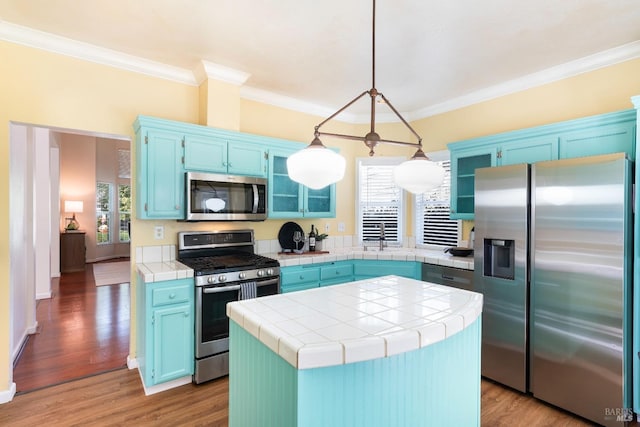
pixel 326 228
pixel 158 232
pixel 341 227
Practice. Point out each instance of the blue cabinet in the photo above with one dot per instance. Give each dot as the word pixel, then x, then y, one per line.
pixel 366 269
pixel 298 278
pixel 165 150
pixel 224 154
pixel 336 272
pixel 602 134
pixel 463 166
pixel 160 176
pixel 288 199
pixel 165 330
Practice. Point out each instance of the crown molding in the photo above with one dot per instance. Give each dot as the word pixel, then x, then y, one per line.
pixel 569 69
pixel 282 101
pixel 88 52
pixel 209 70
pixel 85 51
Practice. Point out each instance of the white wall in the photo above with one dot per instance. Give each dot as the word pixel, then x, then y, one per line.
pixel 42 213
pixel 21 250
pixel 54 169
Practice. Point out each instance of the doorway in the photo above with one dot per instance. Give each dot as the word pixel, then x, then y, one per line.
pixel 37 158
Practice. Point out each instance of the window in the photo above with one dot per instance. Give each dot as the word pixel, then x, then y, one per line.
pixel 432 223
pixel 379 200
pixel 104 197
pixel 124 212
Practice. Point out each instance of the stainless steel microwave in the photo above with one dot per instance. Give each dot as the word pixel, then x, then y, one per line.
pixel 218 197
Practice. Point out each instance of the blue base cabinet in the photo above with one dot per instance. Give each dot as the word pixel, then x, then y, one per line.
pixel 589 136
pixel 165 330
pixel 431 386
pixel 307 276
pixel 366 269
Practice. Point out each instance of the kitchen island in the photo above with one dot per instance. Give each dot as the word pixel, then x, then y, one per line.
pixel 376 352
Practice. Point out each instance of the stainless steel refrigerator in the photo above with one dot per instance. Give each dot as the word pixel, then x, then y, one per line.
pixel 553 246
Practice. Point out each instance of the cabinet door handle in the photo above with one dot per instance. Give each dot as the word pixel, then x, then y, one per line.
pixel 172 296
pixel 186 314
pixel 229 165
pixel 301 277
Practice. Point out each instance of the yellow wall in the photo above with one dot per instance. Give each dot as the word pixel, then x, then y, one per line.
pixel 52 90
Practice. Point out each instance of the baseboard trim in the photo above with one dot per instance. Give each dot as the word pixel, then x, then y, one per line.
pixel 132 362
pixel 164 386
pixel 6 396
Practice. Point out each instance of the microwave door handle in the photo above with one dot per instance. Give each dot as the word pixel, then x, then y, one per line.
pixel 255 199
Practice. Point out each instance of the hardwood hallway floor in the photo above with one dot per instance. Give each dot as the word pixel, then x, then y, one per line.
pixel 82 330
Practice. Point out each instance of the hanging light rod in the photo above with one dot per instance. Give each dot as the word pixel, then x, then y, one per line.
pixel 316 166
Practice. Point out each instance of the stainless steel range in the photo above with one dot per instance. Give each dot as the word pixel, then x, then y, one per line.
pixel 225 269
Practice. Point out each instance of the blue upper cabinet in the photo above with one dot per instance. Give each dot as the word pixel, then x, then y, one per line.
pixel 530 151
pixel 463 166
pixel 204 154
pixel 604 139
pixel 165 150
pixel 224 155
pixel 160 176
pixel 288 199
pixel 247 158
pixel 602 134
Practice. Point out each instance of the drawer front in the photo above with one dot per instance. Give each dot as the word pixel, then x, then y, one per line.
pixel 301 275
pixel 170 295
pixel 336 272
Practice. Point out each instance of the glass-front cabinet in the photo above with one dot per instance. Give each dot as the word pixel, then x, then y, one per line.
pixel 288 199
pixel 463 167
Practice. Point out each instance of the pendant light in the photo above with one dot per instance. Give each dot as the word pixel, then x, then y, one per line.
pixel 316 166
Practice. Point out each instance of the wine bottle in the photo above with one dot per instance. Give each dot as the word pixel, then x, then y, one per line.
pixel 312 240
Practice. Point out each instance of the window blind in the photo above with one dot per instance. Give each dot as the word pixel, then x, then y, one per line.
pixel 380 201
pixel 433 226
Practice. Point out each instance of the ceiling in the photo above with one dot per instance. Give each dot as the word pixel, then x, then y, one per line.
pixel 431 55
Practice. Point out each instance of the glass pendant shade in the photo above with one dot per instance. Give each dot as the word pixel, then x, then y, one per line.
pixel 316 166
pixel 418 175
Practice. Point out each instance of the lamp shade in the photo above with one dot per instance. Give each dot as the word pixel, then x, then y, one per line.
pixel 73 206
pixel 316 166
pixel 418 175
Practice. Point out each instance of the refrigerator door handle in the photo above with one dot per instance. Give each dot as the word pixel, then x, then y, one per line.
pixel 498 243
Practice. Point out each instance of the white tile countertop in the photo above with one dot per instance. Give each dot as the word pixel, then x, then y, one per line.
pixel 352 322
pixel 428 256
pixel 159 263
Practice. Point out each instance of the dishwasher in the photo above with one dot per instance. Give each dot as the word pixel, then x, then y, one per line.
pixel 448 276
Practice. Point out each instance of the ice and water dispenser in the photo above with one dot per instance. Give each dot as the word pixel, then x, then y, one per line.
pixel 499 258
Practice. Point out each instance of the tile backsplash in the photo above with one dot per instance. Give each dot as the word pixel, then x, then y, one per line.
pixel 165 253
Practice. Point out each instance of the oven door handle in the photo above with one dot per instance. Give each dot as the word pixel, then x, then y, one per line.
pixel 220 289
pixel 237 287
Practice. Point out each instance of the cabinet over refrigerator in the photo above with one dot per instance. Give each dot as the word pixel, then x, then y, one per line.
pixel 553 260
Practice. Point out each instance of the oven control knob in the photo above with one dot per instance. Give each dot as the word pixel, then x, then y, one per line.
pixel 270 271
pixel 222 278
pixel 260 273
pixel 242 276
pixel 211 279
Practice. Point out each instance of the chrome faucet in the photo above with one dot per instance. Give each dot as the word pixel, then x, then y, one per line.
pixel 382 237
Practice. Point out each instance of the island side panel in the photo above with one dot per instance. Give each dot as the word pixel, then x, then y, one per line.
pixel 262 385
pixel 433 386
pixel 438 385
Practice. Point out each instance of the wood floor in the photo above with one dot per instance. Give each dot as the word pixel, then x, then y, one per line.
pixel 116 399
pixel 82 330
